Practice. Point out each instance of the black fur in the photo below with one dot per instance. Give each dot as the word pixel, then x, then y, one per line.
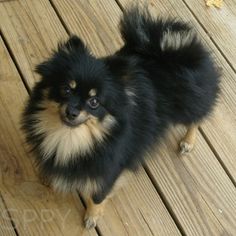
pixel 143 86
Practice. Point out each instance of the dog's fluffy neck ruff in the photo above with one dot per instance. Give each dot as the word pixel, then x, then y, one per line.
pixel 66 143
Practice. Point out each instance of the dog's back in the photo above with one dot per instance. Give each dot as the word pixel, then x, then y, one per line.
pixel 175 60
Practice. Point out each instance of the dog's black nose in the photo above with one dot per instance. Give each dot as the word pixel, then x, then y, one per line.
pixel 72 112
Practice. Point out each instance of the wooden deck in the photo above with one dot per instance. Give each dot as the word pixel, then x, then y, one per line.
pixel 171 194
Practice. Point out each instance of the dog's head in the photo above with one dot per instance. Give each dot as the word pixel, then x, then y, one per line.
pixel 77 103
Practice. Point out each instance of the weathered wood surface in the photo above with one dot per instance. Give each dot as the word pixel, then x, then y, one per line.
pixel 32 29
pixel 6 227
pixel 220 25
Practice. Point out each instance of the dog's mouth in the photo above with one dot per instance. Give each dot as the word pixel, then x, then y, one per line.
pixel 76 121
pixel 70 123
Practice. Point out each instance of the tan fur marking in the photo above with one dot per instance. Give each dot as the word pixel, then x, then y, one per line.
pixel 93 212
pixel 67 141
pixel 191 134
pixel 92 92
pixel 108 122
pixel 176 40
pixel 92 207
pixel 86 188
pixel 73 84
pixel 188 142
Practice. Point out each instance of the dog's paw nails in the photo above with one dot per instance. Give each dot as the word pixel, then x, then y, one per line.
pixel 90 222
pixel 185 147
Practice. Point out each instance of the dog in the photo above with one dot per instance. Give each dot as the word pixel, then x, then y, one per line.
pixel 90 119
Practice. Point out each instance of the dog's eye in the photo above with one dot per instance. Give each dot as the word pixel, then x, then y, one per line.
pixel 93 102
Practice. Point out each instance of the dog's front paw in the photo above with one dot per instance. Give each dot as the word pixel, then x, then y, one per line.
pixel 185 147
pixel 90 221
pixel 93 212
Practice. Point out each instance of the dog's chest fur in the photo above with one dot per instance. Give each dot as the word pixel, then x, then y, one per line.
pixel 66 143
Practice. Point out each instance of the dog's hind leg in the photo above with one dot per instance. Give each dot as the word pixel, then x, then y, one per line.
pixel 187 143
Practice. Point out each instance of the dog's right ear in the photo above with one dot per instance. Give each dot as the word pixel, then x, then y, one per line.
pixel 60 59
pixel 45 69
pixel 74 43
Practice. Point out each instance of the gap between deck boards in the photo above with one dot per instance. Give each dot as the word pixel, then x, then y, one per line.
pixel 211 38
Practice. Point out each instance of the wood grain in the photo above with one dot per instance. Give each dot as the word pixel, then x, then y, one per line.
pixel 200 194
pixel 220 25
pixel 94 21
pixel 6 228
pixel 32 29
pixel 32 206
pixel 136 209
pixel 7 0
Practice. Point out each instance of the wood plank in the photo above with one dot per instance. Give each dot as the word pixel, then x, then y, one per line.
pixel 94 21
pixel 136 209
pixel 199 182
pixel 197 197
pixel 33 207
pixel 6 228
pixel 32 30
pixel 220 24
pixel 138 202
pixel 7 0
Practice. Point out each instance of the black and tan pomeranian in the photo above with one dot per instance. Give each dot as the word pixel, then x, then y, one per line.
pixel 89 118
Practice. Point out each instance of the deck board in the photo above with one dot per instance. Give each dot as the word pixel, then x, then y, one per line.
pixel 220 25
pixel 94 21
pixel 135 210
pixel 32 29
pixel 6 228
pixel 198 190
pixel 33 207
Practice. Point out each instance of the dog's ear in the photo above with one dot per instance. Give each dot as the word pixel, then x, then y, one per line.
pixel 74 43
pixel 61 58
pixel 45 69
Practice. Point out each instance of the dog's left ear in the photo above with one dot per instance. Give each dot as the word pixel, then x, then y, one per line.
pixel 73 44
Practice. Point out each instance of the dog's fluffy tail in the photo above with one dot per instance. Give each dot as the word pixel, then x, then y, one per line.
pixel 157 37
